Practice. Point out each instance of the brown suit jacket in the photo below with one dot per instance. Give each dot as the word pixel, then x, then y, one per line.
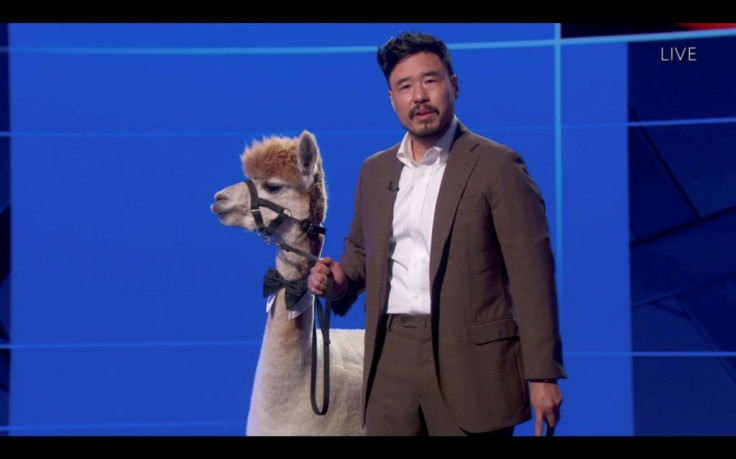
pixel 494 304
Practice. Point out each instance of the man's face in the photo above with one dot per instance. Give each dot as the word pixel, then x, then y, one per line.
pixel 423 95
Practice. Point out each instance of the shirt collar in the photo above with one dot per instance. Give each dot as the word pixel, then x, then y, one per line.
pixel 441 149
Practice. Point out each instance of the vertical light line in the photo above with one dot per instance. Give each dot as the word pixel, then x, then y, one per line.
pixel 558 160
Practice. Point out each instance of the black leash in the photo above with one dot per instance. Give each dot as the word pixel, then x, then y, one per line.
pixel 324 326
pixel 324 315
pixel 324 322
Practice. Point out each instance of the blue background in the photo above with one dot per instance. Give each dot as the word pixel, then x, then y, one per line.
pixel 134 312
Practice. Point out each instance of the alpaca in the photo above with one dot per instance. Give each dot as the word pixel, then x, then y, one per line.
pixel 288 172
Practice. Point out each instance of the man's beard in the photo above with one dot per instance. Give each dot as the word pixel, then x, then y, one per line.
pixel 428 131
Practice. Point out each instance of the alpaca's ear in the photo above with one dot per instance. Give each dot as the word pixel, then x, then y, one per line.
pixel 307 154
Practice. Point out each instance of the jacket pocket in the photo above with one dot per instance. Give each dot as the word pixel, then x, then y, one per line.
pixel 488 332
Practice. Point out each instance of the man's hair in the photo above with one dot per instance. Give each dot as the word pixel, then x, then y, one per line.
pixel 407 44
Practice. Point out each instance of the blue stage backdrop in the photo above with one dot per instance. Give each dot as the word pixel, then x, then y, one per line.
pixel 134 312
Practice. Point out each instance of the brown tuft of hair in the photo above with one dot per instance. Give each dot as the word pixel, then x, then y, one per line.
pixel 272 157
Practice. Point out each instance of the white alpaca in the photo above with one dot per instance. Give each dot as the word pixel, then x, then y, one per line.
pixel 288 172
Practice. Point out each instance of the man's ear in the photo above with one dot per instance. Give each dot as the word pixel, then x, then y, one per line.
pixel 391 98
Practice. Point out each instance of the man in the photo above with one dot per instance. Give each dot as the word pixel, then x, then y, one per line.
pixel 450 243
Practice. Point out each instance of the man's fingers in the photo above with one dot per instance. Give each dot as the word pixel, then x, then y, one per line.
pixel 538 425
pixel 317 281
pixel 323 266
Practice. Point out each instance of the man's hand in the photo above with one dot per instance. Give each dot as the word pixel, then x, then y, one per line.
pixel 317 281
pixel 546 399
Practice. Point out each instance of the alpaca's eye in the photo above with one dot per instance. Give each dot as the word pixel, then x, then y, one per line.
pixel 271 188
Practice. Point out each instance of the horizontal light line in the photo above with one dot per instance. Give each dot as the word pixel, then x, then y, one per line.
pixel 664 36
pixel 500 44
pixel 190 133
pixel 363 132
pixel 652 123
pixel 130 344
pixel 121 425
pixel 650 354
pixel 192 51
pixel 681 122
pixel 360 49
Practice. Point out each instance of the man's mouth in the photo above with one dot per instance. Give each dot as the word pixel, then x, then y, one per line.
pixel 423 112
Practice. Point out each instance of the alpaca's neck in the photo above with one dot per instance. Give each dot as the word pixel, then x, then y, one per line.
pixel 288 340
pixel 292 265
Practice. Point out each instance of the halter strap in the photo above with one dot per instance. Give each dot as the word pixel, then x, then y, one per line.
pixel 282 214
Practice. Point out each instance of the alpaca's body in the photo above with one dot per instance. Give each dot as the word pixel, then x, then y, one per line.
pixel 280 402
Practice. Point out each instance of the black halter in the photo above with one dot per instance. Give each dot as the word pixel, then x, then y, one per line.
pixel 308 227
pixel 282 214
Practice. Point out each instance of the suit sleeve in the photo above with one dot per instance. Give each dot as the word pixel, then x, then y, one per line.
pixel 521 225
pixel 353 258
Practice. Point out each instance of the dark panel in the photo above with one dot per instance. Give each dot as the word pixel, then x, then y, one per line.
pixel 714 308
pixel 682 90
pixel 682 260
pixel 665 326
pixel 683 396
pixel 703 160
pixel 655 202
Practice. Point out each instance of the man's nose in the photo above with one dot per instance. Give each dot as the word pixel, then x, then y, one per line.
pixel 420 95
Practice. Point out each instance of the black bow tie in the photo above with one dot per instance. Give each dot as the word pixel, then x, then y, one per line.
pixel 295 289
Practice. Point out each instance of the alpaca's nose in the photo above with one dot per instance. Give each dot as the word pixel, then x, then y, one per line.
pixel 220 202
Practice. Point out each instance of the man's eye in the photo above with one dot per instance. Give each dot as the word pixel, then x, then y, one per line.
pixel 271 188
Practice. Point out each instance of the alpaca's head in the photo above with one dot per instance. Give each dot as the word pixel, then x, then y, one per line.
pixel 286 171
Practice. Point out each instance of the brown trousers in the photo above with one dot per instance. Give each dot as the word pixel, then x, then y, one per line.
pixel 405 399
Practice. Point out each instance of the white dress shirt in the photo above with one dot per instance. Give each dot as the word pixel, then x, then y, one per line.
pixel 409 246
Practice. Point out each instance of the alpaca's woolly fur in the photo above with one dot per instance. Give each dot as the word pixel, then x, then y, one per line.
pixel 280 402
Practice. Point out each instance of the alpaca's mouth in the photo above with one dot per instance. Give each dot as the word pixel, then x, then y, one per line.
pixel 220 208
pixel 228 217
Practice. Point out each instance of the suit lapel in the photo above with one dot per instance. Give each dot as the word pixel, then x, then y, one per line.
pixel 460 164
